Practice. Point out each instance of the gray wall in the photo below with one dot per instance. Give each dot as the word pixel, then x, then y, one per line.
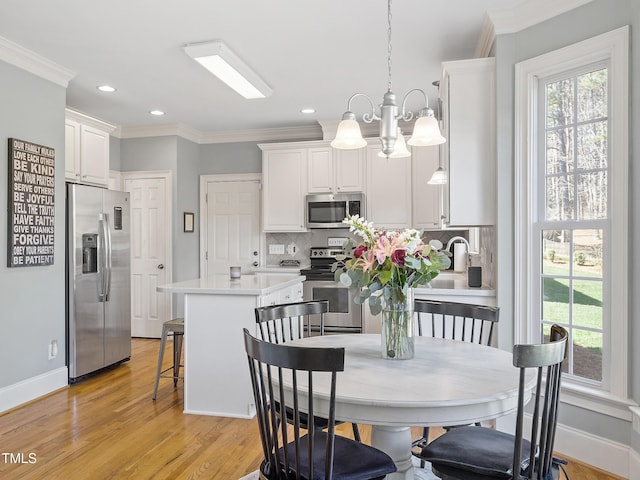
pixel 222 158
pixel 31 298
pixel 592 19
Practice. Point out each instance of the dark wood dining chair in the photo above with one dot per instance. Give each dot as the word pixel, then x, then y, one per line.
pixel 455 321
pixel 317 454
pixel 480 453
pixel 293 321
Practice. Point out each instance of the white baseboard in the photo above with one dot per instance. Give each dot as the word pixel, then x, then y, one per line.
pixel 634 465
pixel 600 452
pixel 32 388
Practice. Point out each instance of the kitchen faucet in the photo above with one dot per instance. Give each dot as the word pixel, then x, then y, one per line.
pixel 453 239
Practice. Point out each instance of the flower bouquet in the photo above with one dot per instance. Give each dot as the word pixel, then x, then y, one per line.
pixel 382 271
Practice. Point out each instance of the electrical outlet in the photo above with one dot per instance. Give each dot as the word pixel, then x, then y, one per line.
pixel 53 349
pixel 292 249
pixel 276 249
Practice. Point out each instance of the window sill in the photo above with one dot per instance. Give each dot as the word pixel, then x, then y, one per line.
pixel 597 400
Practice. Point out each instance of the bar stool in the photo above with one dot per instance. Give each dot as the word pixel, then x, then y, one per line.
pixel 175 328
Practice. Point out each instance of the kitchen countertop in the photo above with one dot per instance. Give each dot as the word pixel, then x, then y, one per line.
pixel 279 269
pixel 247 284
pixel 452 283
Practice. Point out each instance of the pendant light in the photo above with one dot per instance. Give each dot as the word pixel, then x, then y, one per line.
pixel 426 131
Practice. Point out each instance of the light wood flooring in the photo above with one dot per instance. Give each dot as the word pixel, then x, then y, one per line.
pixel 108 427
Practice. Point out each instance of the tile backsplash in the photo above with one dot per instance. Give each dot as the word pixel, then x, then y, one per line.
pixel 319 238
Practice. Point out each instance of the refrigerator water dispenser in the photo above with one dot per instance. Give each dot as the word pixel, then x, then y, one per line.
pixel 89 253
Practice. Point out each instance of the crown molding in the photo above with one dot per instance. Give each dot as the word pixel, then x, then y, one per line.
pixel 87 120
pixel 20 57
pixel 312 132
pixel 525 15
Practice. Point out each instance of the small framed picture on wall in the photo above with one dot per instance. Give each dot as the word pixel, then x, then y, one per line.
pixel 188 221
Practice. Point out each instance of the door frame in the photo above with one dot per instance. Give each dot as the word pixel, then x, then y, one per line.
pixel 167 176
pixel 234 177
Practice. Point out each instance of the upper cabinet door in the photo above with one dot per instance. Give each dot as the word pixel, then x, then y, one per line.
pixel 467 91
pixel 335 171
pixel 388 192
pixel 284 176
pixel 86 149
pixel 349 166
pixel 94 156
pixel 427 202
pixel 72 150
pixel 321 177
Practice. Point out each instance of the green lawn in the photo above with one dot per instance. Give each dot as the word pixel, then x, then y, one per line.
pixel 587 304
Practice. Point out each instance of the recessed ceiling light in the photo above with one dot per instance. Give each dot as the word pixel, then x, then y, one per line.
pixel 157 112
pixel 308 110
pixel 106 88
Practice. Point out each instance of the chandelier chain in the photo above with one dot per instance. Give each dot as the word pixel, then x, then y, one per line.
pixel 389 44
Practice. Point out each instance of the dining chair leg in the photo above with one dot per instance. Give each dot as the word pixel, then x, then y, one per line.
pixel 356 432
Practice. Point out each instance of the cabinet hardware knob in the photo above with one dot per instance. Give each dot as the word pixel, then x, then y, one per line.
pixel 255 253
pixel 160 267
pixel 255 264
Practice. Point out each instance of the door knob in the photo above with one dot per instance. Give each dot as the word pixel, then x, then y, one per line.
pixel 160 267
pixel 255 264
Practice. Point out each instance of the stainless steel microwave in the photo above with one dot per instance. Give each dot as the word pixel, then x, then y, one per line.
pixel 327 210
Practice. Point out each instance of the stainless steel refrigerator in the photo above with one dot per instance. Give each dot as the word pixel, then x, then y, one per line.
pixel 98 279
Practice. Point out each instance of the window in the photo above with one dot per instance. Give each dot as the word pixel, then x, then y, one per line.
pixel 572 223
pixel 571 202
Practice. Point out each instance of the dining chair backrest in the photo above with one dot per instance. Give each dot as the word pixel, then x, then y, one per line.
pixel 547 358
pixel 456 321
pixel 476 452
pixel 291 321
pixel 284 449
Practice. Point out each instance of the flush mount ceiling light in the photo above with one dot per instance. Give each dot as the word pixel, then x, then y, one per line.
pixel 425 131
pixel 220 60
pixel 157 113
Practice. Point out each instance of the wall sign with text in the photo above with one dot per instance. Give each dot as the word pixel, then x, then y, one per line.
pixel 31 212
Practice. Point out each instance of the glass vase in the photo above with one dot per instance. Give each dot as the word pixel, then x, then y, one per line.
pixel 397 328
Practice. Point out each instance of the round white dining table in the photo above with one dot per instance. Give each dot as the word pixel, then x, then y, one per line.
pixel 448 382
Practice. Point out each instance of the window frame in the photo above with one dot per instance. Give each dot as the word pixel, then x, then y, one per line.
pixel 611 48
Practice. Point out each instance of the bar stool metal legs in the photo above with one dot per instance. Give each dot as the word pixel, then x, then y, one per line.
pixel 175 328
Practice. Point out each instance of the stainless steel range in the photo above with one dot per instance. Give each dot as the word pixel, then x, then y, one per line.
pixel 345 316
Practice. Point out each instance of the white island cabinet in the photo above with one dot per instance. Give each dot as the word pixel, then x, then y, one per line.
pixel 216 310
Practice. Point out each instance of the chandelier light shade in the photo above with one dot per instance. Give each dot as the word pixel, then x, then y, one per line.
pixel 439 177
pixel 428 132
pixel 348 136
pixel 220 60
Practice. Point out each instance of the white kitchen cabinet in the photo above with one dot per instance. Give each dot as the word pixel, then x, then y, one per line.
pixel 86 149
pixel 284 187
pixel 467 91
pixel 335 171
pixel 426 198
pixel 388 190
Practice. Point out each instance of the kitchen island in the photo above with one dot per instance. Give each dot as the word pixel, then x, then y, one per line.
pixel 216 309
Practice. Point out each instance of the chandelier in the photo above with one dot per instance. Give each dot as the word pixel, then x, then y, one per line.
pixel 425 130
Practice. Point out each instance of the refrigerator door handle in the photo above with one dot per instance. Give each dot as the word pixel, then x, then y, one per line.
pixel 108 261
pixel 104 258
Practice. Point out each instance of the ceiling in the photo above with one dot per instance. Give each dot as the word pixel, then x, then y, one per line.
pixel 311 53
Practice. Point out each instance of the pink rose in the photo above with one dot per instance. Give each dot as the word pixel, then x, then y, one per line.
pixel 398 257
pixel 359 251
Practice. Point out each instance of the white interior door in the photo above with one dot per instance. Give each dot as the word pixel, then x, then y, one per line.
pixel 150 254
pixel 232 225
